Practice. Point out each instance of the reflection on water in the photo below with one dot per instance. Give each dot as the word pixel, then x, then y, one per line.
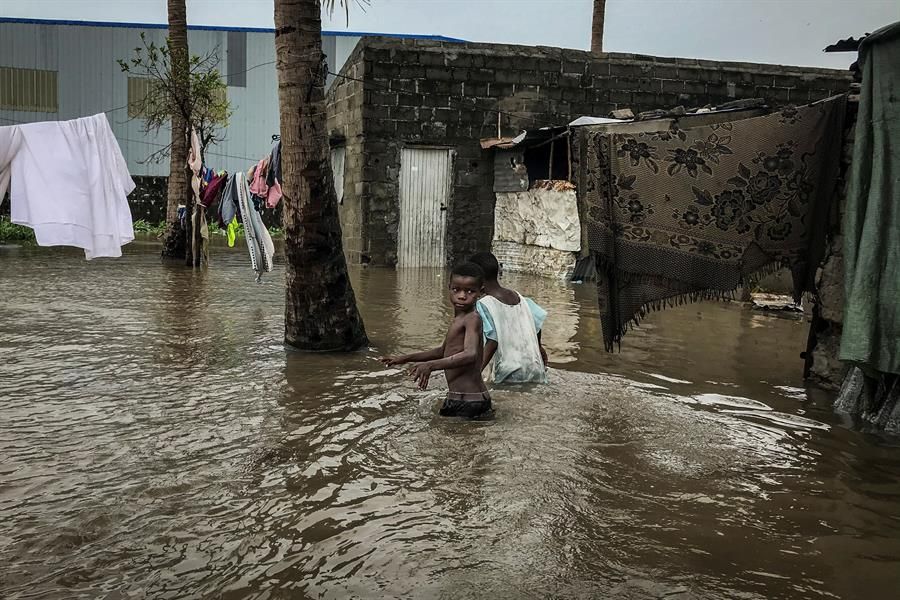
pixel 157 441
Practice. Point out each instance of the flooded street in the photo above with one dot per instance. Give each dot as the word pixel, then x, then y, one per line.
pixel 158 441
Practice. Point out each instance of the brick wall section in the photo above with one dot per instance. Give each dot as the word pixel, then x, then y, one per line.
pixel 345 126
pixel 447 94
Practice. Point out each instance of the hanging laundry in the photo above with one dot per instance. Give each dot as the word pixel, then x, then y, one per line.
pixel 274 175
pixel 260 187
pixel 259 242
pixel 688 214
pixel 69 182
pixel 195 162
pixel 273 197
pixel 210 193
pixel 198 217
pixel 231 232
pixel 871 330
pixel 228 203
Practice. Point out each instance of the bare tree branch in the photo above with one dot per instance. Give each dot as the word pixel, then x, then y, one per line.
pixel 201 101
pixel 157 156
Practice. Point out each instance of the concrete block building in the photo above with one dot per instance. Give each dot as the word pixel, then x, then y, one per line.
pixel 406 113
pixel 407 117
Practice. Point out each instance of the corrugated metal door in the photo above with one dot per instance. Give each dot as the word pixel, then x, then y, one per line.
pixel 424 194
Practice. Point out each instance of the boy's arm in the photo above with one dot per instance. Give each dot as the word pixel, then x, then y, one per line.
pixel 416 357
pixel 467 356
pixel 539 315
pixel 544 356
pixel 490 348
pixel 425 356
pixel 490 335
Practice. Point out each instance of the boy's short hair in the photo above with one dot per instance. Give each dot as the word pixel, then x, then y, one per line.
pixel 469 269
pixel 488 263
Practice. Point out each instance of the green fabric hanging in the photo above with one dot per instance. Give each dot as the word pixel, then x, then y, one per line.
pixel 871 329
pixel 232 232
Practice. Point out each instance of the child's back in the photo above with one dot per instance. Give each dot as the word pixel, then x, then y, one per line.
pixel 518 355
pixel 512 329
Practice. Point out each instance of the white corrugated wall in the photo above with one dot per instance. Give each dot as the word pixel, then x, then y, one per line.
pixel 90 81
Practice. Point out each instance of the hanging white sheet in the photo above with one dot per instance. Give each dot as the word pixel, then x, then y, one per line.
pixel 69 182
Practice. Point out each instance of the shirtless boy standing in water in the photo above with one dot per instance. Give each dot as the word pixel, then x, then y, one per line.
pixel 461 354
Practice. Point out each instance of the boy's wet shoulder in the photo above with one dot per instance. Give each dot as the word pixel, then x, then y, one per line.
pixel 462 320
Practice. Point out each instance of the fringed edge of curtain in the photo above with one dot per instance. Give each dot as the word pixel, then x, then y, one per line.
pixel 676 299
pixel 658 305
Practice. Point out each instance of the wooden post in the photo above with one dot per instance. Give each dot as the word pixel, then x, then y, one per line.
pixel 550 172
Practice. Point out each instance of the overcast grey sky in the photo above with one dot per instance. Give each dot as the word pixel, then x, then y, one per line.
pixel 770 31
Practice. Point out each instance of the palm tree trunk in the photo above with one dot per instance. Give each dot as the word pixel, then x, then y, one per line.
pixel 597 26
pixel 320 308
pixel 179 186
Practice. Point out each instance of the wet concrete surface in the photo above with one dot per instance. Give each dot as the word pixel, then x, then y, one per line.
pixel 158 441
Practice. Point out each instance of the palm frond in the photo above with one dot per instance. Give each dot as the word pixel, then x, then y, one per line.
pixel 330 4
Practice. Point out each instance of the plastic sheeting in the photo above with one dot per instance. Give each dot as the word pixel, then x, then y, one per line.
pixel 534 260
pixel 876 400
pixel 538 231
pixel 539 217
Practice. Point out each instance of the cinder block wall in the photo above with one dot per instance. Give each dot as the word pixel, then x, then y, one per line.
pixel 448 94
pixel 345 127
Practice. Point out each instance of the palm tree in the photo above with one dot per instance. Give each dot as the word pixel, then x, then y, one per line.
pixel 597 26
pixel 320 308
pixel 179 173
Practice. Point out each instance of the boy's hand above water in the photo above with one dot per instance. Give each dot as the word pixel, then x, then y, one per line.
pixel 421 373
pixel 392 361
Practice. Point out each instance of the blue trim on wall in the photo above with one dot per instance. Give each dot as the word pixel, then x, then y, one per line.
pixel 438 38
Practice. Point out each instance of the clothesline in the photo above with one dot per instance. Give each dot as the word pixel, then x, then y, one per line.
pixel 86 204
pixel 238 198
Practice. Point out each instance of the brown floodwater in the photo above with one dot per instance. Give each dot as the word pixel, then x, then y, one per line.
pixel 158 441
